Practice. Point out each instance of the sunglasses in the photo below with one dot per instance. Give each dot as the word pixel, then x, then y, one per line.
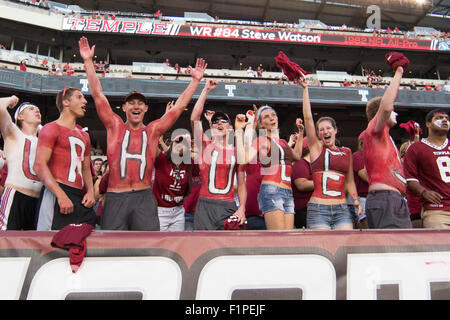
pixel 215 121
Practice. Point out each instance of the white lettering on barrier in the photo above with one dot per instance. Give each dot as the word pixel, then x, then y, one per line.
pixel 154 277
pixel 413 272
pixel 161 277
pixel 13 276
pixel 313 274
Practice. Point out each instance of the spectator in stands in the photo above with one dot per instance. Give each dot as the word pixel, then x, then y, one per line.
pixel 346 83
pixel 427 166
pixel 302 186
pixel 446 87
pixel 68 196
pixel 332 171
pixel 2 47
pixel 361 182
pixel 98 162
pixel 172 181
pixel 413 200
pixel 22 186
pixel 253 178
pixel 412 85
pixel 130 203
pixel 259 71
pixel 250 72
pixel 385 205
pixel 167 62
pixel 276 157
pixel 23 66
pixel 216 159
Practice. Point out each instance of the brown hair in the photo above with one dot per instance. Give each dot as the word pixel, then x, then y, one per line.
pixel 64 94
pixel 372 107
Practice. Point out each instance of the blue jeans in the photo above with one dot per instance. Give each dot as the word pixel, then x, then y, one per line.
pixel 272 197
pixel 328 216
pixel 189 221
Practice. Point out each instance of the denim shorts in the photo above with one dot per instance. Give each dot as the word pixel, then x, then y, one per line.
pixel 328 215
pixel 272 197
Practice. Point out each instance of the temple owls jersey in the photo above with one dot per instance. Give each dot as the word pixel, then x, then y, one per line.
pixel 430 166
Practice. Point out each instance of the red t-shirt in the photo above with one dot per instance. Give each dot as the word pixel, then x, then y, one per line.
pixel 217 171
pixel 69 148
pixel 171 182
pixel 381 158
pixel 276 167
pixel 301 169
pixel 253 180
pixel 430 166
pixel 327 183
pixel 362 187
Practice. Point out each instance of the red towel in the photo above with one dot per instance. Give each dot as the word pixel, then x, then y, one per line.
pixel 290 69
pixel 232 223
pixel 410 127
pixel 73 238
pixel 397 59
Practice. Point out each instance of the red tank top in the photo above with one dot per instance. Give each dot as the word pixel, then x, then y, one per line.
pixel 69 148
pixel 171 182
pixel 329 172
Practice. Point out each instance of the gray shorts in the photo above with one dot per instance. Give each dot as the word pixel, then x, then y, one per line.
pixel 386 209
pixel 211 214
pixel 132 210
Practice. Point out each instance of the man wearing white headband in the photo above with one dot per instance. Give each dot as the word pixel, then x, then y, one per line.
pixel 18 209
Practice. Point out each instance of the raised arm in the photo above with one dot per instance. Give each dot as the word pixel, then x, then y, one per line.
pixel 105 113
pixel 388 100
pixel 299 143
pixel 168 119
pixel 199 105
pixel 310 128
pixel 6 125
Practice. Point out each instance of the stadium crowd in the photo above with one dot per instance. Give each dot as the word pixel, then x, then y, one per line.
pixel 231 175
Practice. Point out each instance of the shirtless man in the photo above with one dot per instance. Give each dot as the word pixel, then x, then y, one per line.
pixel 18 208
pixel 130 203
pixel 386 206
pixel 63 165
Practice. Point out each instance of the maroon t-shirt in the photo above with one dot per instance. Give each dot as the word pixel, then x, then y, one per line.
pixel 362 187
pixel 253 183
pixel 301 169
pixel 190 201
pixel 171 182
pixel 430 166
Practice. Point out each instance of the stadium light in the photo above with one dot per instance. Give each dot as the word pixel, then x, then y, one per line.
pixel 421 1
